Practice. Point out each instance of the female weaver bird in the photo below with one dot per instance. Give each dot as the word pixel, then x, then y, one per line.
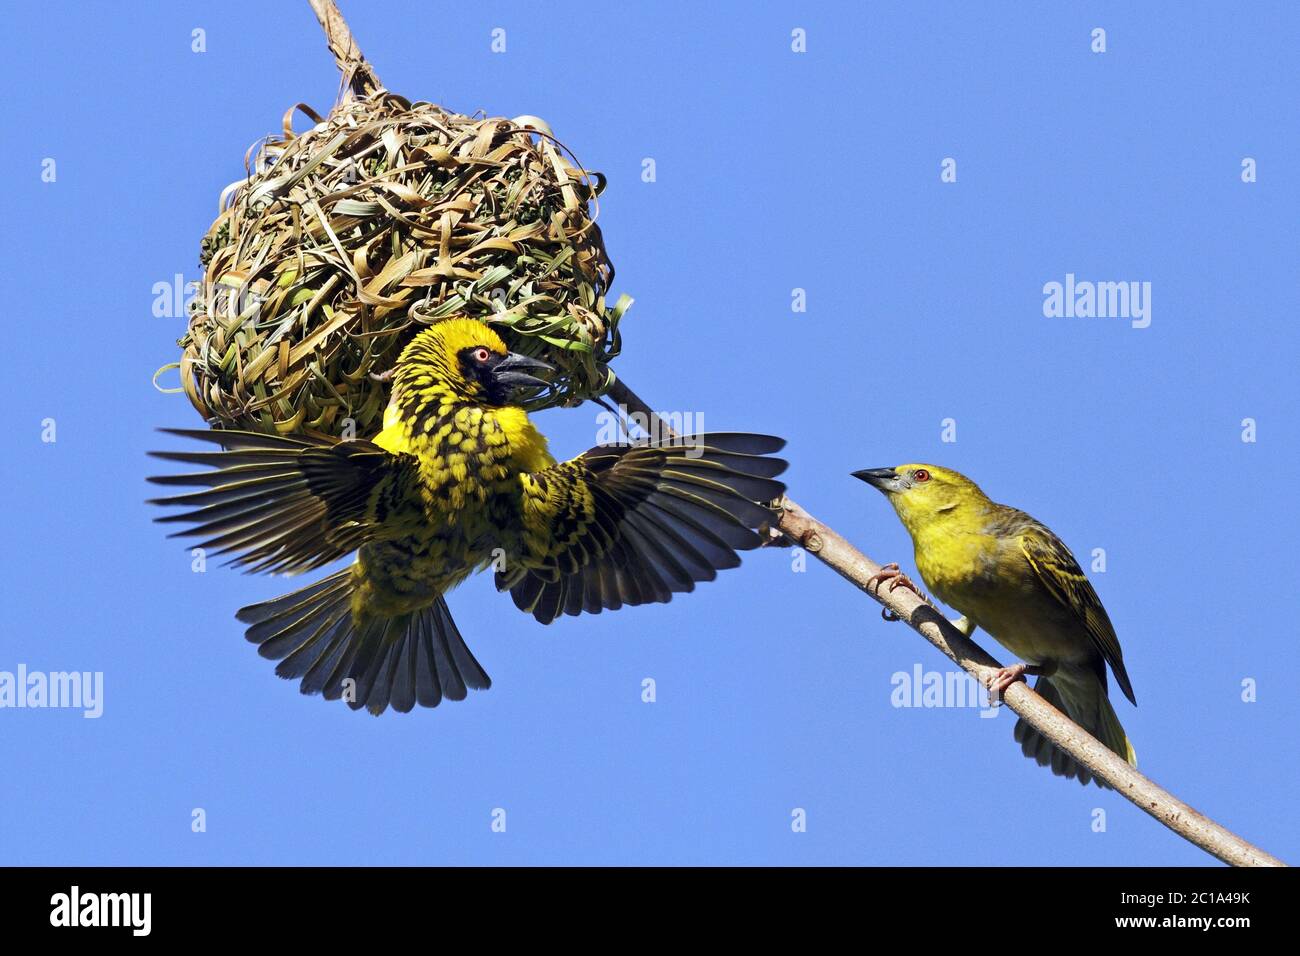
pixel 459 480
pixel 1007 573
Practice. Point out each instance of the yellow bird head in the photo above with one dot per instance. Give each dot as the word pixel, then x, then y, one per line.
pixel 466 358
pixel 925 494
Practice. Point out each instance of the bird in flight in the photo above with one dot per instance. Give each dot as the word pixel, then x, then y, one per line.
pixel 459 480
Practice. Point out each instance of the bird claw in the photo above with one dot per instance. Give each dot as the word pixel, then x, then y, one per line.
pixel 897 579
pixel 1003 678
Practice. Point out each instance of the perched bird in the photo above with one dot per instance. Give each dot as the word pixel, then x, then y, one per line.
pixel 459 480
pixel 1007 573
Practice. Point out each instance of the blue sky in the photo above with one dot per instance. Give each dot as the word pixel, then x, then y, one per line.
pixel 775 171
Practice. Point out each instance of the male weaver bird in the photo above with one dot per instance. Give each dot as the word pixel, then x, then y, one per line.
pixel 1007 573
pixel 457 481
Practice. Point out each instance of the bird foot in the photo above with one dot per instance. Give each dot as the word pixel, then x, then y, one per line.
pixel 1006 676
pixel 1003 679
pixel 897 579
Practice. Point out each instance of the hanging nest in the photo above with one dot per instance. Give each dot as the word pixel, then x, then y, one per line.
pixel 384 217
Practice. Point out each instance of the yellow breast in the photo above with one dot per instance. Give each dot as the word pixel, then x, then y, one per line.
pixel 527 445
pixel 953 565
pixel 988 581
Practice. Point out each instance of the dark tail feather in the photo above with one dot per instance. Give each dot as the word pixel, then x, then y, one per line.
pixel 414 658
pixel 1096 716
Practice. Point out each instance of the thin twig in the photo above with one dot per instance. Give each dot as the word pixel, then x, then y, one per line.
pixel 833 550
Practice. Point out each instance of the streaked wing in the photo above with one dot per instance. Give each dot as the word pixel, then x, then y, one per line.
pixel 284 505
pixel 637 523
pixel 1061 575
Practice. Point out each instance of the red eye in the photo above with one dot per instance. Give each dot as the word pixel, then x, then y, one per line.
pixel 921 474
pixel 481 355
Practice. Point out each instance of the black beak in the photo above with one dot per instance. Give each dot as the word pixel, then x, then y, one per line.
pixel 510 371
pixel 882 478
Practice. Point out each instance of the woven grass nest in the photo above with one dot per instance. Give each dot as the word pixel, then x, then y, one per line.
pixel 345 240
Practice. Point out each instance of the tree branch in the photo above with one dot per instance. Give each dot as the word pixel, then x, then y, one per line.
pixel 835 552
pixel 358 75
pixel 851 564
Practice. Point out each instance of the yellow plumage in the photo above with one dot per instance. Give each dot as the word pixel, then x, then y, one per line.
pixel 1011 576
pixel 457 481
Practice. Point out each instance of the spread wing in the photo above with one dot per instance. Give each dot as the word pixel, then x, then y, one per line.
pixel 1061 575
pixel 286 505
pixel 637 523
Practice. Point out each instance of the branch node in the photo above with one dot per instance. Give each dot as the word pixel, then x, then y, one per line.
pixel 810 541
